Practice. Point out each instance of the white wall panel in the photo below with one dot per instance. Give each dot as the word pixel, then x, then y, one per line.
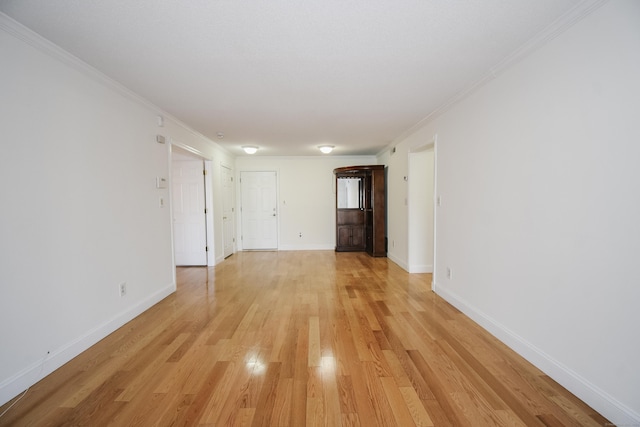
pixel 538 177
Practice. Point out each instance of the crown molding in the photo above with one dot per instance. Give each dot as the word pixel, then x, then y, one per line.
pixel 556 28
pixel 30 37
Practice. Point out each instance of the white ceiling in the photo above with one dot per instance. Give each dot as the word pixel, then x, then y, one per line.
pixel 289 75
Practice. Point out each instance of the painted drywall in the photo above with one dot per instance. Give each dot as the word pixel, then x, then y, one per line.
pixel 539 184
pixel 420 205
pixel 397 203
pixel 80 208
pixel 306 197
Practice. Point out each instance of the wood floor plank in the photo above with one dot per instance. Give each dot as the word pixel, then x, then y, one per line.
pixel 331 400
pixel 208 385
pixel 297 339
pixel 376 393
pixel 315 357
pixel 443 394
pixel 416 409
pixel 397 403
pixel 300 372
pixel 281 412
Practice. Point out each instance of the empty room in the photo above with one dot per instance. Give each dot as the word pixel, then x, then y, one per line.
pixel 339 213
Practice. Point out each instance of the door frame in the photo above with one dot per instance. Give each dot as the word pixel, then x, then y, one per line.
pixel 233 211
pixel 433 144
pixel 240 242
pixel 208 189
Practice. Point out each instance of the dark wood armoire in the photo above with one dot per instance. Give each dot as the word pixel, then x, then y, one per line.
pixel 361 209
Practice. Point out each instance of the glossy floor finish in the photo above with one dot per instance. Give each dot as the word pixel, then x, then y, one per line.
pixel 300 339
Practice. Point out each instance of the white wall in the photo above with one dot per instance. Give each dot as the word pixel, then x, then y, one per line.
pixel 540 187
pixel 306 197
pixel 397 202
pixel 80 212
pixel 420 206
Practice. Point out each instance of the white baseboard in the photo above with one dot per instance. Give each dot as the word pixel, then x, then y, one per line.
pixel 307 247
pixel 398 261
pixel 598 399
pixel 421 268
pixel 24 379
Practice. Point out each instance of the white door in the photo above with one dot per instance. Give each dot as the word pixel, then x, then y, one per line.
pixel 228 211
pixel 259 210
pixel 189 219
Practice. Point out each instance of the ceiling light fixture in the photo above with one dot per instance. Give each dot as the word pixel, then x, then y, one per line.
pixel 326 149
pixel 250 149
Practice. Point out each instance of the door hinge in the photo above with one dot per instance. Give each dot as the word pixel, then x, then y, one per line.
pixel 205 210
pixel 204 171
pixel 206 248
pixel 234 240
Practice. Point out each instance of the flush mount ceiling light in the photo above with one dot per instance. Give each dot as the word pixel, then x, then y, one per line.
pixel 250 149
pixel 326 149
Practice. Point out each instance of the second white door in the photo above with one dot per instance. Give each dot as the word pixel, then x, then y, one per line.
pixel 228 213
pixel 189 223
pixel 259 210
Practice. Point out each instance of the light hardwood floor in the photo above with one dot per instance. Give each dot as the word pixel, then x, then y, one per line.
pixel 300 339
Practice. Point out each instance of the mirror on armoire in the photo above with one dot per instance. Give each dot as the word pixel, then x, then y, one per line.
pixel 349 193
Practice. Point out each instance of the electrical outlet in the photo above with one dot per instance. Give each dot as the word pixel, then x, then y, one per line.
pixel 449 273
pixel 122 289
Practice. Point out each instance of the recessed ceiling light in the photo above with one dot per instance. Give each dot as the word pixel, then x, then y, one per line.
pixel 326 149
pixel 250 149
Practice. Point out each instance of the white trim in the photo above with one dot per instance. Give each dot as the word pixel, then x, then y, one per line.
pixel 559 26
pixel 398 261
pixel 307 247
pixel 421 268
pixel 190 149
pixel 373 158
pixel 209 216
pixel 233 208
pixel 435 209
pixel 592 395
pixel 20 32
pixel 24 379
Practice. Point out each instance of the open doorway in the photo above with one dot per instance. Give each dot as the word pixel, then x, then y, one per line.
pixel 421 212
pixel 191 208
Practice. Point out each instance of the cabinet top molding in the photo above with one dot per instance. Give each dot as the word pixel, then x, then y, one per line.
pixel 354 169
